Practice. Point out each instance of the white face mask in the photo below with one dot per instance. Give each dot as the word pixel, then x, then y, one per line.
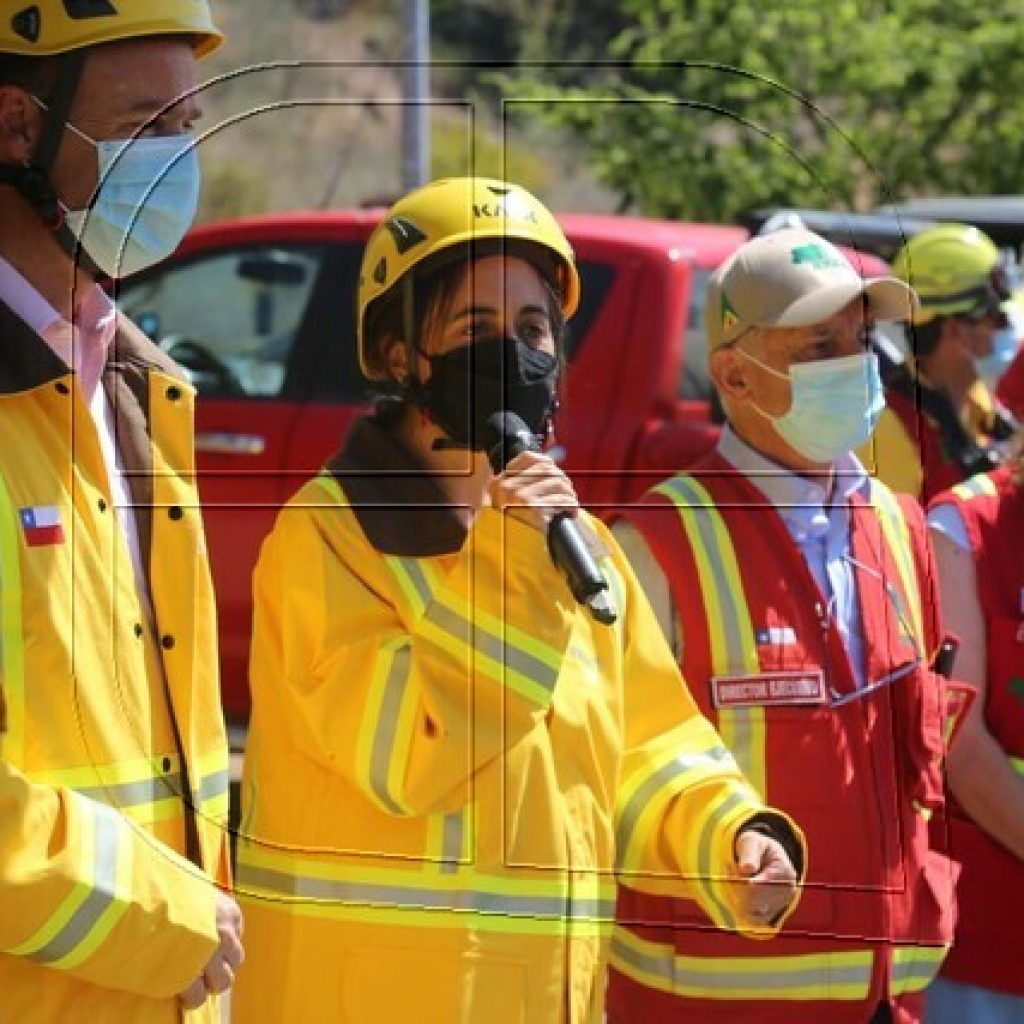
pixel 834 407
pixel 146 201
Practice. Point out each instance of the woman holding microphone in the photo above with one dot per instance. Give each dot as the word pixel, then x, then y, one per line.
pixel 450 756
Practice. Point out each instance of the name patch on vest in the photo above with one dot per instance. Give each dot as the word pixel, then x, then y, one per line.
pixel 769 688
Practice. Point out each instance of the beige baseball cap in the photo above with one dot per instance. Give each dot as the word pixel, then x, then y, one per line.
pixel 793 278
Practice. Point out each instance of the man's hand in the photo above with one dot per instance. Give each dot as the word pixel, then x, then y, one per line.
pixel 219 973
pixel 771 877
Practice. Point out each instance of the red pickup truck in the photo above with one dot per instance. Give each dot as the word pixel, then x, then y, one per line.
pixel 260 314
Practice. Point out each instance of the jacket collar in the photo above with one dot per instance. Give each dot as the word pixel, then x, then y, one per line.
pixel 26 361
pixel 397 501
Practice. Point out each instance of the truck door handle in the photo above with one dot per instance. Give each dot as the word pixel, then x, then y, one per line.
pixel 231 444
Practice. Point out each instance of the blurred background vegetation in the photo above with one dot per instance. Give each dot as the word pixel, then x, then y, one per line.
pixel 698 109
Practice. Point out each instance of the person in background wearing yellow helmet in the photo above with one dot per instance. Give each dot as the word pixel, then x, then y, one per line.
pixel 977 528
pixel 940 419
pixel 797 594
pixel 113 760
pixel 449 756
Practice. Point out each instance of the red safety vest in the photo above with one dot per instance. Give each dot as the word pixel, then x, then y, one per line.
pixel 861 779
pixel 991 886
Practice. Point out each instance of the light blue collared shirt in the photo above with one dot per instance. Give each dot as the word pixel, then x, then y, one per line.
pixel 819 524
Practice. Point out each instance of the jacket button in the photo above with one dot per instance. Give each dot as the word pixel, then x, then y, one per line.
pixel 138 629
pixel 101 505
pixel 167 641
pixel 174 392
pixel 175 512
pixel 62 388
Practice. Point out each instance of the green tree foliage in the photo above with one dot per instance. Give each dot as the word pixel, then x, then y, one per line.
pixel 710 107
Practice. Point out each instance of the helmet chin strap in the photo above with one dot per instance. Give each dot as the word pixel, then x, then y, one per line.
pixel 32 180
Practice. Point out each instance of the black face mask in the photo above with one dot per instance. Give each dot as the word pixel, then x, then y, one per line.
pixel 471 383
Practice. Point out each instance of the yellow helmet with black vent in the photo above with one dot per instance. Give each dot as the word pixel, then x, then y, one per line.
pixel 955 269
pixel 452 214
pixel 43 28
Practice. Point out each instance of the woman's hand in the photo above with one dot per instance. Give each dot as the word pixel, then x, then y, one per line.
pixel 534 490
pixel 771 878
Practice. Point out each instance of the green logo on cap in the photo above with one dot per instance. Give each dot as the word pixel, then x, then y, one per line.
pixel 729 317
pixel 818 257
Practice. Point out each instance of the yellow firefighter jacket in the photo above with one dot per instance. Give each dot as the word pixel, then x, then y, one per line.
pixel 448 760
pixel 113 762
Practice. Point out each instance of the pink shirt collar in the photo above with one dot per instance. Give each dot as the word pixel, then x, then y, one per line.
pixel 83 345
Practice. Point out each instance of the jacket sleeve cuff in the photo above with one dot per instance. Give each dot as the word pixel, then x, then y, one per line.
pixel 783 829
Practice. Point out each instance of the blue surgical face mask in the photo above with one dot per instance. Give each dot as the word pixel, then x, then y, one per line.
pixel 834 407
pixel 146 201
pixel 1004 347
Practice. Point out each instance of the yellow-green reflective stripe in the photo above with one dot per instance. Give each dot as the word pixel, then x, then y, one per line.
pixel 915 967
pixel 114 786
pixel 705 873
pixel 100 895
pixel 817 976
pixel 743 732
pixel 508 654
pixel 719 576
pixel 332 487
pixel 733 645
pixel 977 486
pixel 530 676
pixel 1017 764
pixel 115 773
pixel 214 785
pixel 413 582
pixel 451 847
pixel 446 840
pixel 407 873
pixel 132 794
pixel 897 536
pixel 445 921
pixel 383 729
pixel 424 897
pixel 661 783
pixel 12 652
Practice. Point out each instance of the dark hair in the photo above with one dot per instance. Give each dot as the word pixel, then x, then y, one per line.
pixel 36 75
pixel 434 284
pixel 924 338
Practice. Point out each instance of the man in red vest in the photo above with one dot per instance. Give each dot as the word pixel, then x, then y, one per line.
pixel 797 593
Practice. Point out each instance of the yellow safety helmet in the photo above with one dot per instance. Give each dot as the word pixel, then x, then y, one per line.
pixel 955 270
pixel 452 212
pixel 42 28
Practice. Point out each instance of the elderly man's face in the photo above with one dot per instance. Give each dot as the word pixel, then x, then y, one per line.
pixel 781 348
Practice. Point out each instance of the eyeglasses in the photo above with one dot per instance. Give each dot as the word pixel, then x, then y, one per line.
pixel 838 700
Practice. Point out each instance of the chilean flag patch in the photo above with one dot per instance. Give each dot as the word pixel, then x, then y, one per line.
pixel 41 524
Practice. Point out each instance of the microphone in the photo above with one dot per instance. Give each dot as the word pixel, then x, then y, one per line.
pixel 507 436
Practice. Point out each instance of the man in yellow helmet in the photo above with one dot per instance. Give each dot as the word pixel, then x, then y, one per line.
pixel 113 762
pixel 940 416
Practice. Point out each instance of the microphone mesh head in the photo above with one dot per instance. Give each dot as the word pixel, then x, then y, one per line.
pixel 506 435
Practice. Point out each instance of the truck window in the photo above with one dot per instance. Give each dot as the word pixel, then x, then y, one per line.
pixel 229 318
pixel 694 382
